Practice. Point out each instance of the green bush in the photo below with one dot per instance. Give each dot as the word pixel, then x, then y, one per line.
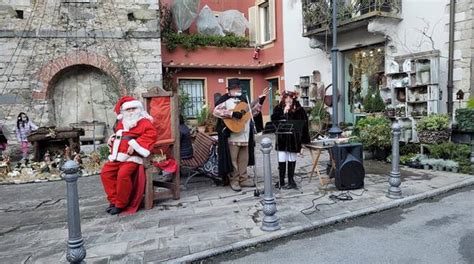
pixel 470 103
pixel 465 119
pixel 194 41
pixel 318 112
pixel 451 151
pixel 374 132
pixel 435 122
pixel 104 152
pixel 409 148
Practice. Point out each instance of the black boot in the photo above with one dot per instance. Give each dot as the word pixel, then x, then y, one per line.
pixel 115 210
pixel 109 208
pixel 282 171
pixel 291 174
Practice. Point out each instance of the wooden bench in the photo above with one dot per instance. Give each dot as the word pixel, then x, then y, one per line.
pixel 202 147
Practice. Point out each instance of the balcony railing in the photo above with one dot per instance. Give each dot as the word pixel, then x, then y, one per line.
pixel 317 14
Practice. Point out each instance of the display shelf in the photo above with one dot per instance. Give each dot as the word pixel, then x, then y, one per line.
pixel 420 82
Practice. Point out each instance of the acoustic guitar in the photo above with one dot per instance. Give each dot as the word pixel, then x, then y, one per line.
pixel 236 125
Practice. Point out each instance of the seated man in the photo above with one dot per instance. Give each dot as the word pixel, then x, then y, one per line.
pixel 123 176
pixel 186 144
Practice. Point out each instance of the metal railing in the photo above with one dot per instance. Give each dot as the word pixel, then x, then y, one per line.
pixel 317 13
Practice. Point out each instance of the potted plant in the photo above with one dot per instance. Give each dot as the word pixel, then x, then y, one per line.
pixel 425 163
pixel 318 116
pixel 400 110
pixel 375 134
pixel 452 166
pixel 390 111
pixel 433 128
pixel 202 118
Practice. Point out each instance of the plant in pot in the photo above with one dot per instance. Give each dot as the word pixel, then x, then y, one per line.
pixel 452 165
pixel 390 111
pixel 318 116
pixel 433 128
pixel 425 163
pixel 375 134
pixel 202 118
pixel 400 110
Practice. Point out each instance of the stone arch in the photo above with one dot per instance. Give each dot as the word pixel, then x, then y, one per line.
pixel 48 73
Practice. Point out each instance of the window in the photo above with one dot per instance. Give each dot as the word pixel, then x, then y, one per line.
pixel 195 91
pixel 262 22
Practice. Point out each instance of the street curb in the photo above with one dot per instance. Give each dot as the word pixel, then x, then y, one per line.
pixel 321 223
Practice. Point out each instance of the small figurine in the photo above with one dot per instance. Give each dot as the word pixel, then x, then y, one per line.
pixel 67 153
pixel 77 158
pixel 47 157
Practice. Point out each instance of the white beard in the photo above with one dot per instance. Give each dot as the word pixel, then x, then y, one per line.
pixel 130 120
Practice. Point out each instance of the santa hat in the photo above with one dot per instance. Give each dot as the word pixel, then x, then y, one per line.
pixel 127 102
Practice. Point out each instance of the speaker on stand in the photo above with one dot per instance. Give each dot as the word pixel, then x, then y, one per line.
pixel 349 172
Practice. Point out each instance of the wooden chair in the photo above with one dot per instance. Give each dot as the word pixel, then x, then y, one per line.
pixel 202 147
pixel 163 107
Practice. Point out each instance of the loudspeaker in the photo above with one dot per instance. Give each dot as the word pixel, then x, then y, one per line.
pixel 349 172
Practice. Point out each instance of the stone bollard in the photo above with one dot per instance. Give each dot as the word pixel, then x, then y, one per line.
pixel 394 191
pixel 270 220
pixel 76 251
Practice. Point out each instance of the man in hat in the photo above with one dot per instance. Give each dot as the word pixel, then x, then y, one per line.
pixel 236 150
pixel 123 175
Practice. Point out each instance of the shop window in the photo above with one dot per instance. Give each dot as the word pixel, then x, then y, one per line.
pixel 194 88
pixel 365 87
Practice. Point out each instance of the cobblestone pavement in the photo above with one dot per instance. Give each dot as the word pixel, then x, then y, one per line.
pixel 207 220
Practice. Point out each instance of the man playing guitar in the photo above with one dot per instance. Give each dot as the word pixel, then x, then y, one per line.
pixel 235 132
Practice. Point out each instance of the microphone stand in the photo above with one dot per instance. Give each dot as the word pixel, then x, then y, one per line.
pixel 257 191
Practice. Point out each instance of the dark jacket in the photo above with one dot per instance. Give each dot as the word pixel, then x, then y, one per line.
pixel 297 123
pixel 223 152
pixel 186 145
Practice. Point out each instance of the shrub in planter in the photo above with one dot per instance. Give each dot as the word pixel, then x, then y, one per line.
pixel 318 116
pixel 433 128
pixel 465 119
pixel 425 163
pixel 451 165
pixel 375 134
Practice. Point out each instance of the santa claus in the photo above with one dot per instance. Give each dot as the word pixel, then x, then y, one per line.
pixel 123 175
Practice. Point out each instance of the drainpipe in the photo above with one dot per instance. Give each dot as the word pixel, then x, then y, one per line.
pixel 450 87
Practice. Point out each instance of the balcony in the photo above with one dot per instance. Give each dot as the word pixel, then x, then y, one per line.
pixel 317 14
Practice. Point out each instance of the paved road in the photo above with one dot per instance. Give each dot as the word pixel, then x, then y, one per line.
pixel 435 231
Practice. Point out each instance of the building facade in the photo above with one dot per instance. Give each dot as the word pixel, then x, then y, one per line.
pixel 387 49
pixel 65 62
pixel 203 73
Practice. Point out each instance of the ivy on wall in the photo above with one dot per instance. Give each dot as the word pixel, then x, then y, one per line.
pixel 189 42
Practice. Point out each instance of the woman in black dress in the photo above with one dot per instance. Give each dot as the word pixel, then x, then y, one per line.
pixel 291 122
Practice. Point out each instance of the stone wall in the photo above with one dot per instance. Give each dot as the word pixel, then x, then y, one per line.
pixel 463 50
pixel 118 38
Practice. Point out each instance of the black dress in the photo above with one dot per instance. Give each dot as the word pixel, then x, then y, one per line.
pixel 298 121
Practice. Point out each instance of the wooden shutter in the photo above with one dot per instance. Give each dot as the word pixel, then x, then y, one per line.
pixel 253 26
pixel 272 16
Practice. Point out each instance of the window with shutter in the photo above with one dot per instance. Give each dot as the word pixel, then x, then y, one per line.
pixel 262 22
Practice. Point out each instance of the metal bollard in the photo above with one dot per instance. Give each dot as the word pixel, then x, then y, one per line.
pixel 76 251
pixel 270 220
pixel 394 191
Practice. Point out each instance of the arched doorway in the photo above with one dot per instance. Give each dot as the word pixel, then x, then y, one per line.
pixel 83 93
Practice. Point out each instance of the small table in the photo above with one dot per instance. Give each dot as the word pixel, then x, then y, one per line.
pixel 315 151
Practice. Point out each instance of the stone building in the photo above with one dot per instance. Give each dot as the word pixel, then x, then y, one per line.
pixel 67 61
pixel 463 72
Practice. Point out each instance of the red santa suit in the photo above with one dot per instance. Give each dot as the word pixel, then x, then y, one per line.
pixel 123 176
